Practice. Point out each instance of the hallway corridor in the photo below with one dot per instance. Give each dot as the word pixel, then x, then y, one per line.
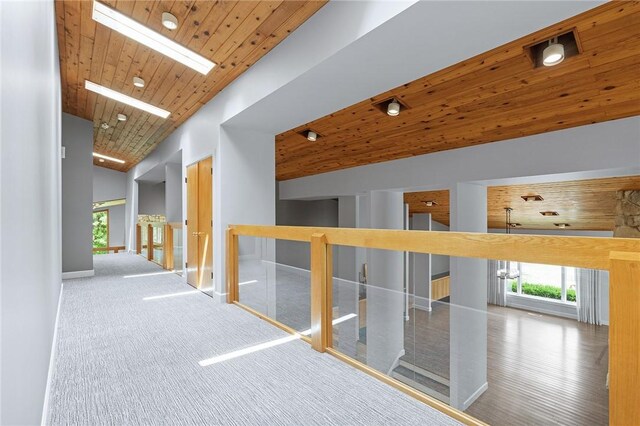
pixel 130 343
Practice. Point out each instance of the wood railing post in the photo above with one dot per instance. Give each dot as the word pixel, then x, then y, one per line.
pixel 168 248
pixel 232 266
pixel 320 294
pixel 624 338
pixel 150 242
pixel 138 238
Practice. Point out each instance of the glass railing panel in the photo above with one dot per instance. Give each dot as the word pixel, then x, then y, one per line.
pixel 274 279
pixel 506 350
pixel 158 242
pixel 178 260
pixel 143 237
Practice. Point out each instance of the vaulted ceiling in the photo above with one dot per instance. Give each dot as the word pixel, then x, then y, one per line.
pixel 584 204
pixel 497 95
pixel 233 34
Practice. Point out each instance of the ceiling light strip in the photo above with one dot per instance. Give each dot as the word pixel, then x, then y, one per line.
pixel 156 41
pixel 120 97
pixel 106 157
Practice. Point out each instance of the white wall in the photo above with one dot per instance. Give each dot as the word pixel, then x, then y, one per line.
pixel 77 194
pixel 30 205
pixel 108 184
pixel 576 153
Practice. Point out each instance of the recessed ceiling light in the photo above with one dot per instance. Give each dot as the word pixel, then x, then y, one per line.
pixel 562 225
pixel 122 117
pixel 169 21
pixel 312 136
pixel 393 109
pixel 156 41
pixel 549 213
pixel 104 126
pixel 117 96
pixel 532 198
pixel 430 203
pixel 553 54
pixel 106 157
pixel 138 82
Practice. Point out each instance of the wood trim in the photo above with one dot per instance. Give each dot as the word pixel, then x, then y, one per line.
pixel 581 252
pixel 319 301
pixel 232 266
pixel 114 249
pixel 167 259
pixel 272 321
pixel 624 345
pixel 438 405
pixel 440 288
pixel 138 238
pixel 150 242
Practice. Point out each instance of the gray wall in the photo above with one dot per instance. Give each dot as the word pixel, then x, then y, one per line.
pixel 77 194
pixel 302 213
pixel 439 264
pixel 151 198
pixel 29 206
pixel 116 225
pixel 173 192
pixel 108 184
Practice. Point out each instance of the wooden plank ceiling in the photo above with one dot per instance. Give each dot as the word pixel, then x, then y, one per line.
pixel 495 96
pixel 233 34
pixel 584 204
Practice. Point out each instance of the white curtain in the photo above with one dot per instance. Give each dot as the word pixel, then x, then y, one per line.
pixel 496 288
pixel 588 295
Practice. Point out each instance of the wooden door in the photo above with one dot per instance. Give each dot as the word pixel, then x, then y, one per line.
pixel 205 225
pixel 200 225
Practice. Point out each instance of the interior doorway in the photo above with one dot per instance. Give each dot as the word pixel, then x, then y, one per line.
pixel 199 224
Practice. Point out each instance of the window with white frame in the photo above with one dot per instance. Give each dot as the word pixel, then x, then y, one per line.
pixel 545 281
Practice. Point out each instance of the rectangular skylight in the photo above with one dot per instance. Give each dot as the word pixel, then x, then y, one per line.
pixel 120 97
pixel 138 32
pixel 95 154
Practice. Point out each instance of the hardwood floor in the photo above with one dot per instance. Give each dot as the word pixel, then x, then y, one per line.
pixel 542 370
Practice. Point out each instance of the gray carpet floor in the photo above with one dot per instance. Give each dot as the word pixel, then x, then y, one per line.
pixel 127 356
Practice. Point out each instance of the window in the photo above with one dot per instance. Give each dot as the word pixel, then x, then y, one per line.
pixel 545 281
pixel 100 230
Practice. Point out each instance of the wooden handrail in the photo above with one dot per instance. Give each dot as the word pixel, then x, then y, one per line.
pixel 114 249
pixel 580 252
pixel 619 256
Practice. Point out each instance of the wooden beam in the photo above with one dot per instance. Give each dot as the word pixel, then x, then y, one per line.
pixel 580 252
pixel 167 262
pixel 232 266
pixel 138 238
pixel 149 242
pixel 320 315
pixel 624 341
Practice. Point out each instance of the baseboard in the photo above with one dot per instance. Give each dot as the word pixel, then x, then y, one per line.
pixel 52 359
pixel 475 396
pixel 78 274
pixel 421 308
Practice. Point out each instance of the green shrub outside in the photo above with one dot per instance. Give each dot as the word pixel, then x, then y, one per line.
pixel 543 290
